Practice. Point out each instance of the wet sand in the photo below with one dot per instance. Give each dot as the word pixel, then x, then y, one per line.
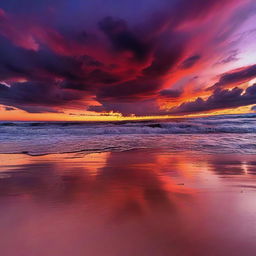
pixel 139 202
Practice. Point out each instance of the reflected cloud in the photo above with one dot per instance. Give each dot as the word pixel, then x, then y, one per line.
pixel 118 203
pixel 131 184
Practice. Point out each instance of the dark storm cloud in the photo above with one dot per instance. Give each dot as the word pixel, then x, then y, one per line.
pixel 131 90
pixel 14 60
pixel 221 99
pixel 189 62
pixel 43 64
pixel 35 97
pixel 235 77
pixel 123 39
pixel 80 73
pixel 145 85
pixel 170 93
pixel 39 109
pixel 9 108
pixel 145 107
pixel 165 56
pixel 90 62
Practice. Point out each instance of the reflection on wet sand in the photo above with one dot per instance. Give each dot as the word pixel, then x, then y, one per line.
pixel 140 202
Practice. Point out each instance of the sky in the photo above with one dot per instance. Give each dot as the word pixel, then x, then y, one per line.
pixel 112 59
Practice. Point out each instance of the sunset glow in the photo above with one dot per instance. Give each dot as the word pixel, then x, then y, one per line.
pixel 100 61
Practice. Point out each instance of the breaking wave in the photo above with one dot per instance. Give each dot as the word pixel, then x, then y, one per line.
pixel 220 133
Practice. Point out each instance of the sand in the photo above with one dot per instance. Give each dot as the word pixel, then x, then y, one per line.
pixel 138 202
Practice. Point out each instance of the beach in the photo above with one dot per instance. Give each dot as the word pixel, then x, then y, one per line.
pixel 128 128
pixel 132 202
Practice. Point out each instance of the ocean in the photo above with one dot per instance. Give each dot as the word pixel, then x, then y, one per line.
pixel 214 134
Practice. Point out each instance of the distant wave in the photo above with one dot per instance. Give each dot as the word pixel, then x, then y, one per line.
pixel 182 128
pixel 157 128
pixel 213 124
pixel 209 134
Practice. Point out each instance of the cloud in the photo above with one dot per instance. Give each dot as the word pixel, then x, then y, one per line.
pixel 9 108
pixel 231 57
pixel 220 99
pixel 253 108
pixel 118 56
pixel 189 62
pixel 36 97
pixel 145 107
pixel 166 57
pixel 236 76
pixel 123 39
pixel 136 89
pixel 171 93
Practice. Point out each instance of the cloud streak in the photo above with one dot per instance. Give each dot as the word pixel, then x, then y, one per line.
pixel 235 77
pixel 221 99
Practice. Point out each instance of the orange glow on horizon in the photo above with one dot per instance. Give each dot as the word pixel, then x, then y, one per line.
pixel 20 115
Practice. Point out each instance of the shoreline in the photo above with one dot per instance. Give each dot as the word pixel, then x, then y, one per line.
pixel 145 149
